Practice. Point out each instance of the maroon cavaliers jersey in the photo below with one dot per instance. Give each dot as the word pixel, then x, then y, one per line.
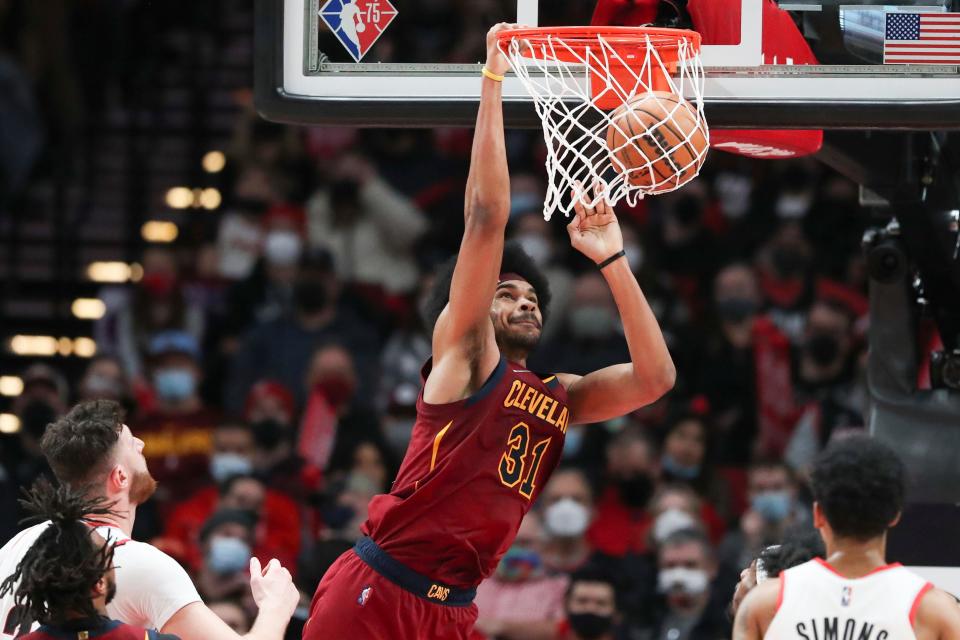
pixel 96 629
pixel 472 470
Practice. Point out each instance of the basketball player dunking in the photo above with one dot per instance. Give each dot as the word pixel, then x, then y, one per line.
pixel 858 486
pixel 489 432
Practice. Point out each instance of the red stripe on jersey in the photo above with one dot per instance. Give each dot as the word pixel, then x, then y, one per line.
pixel 916 602
pixel 783 585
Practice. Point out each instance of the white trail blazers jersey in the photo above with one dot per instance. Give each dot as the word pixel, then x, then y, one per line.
pixel 817 603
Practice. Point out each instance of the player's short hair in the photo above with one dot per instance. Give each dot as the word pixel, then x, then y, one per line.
pixel 79 446
pixel 56 575
pixel 859 484
pixel 799 545
pixel 594 573
pixel 515 260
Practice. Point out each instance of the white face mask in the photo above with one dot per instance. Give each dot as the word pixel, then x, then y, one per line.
pixel 282 248
pixel 671 521
pixel 566 518
pixel 536 247
pixel 680 579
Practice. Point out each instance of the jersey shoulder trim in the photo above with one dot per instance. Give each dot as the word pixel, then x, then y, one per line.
pixel 916 601
pixel 826 565
pixel 783 586
pixel 489 385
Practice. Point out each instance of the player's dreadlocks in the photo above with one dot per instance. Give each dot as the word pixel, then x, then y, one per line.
pixel 57 573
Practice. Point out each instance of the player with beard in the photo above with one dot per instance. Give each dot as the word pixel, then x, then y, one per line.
pixel 91 450
pixel 488 431
pixel 67 578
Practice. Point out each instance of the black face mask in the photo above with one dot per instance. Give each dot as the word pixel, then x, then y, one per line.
pixel 788 262
pixel 35 418
pixel 823 348
pixel 636 490
pixel 310 296
pixel 735 310
pixel 267 434
pixel 337 516
pixel 590 625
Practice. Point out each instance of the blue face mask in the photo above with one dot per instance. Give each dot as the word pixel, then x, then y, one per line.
pixel 227 465
pixel 677 470
pixel 774 506
pixel 174 385
pixel 573 442
pixel 228 555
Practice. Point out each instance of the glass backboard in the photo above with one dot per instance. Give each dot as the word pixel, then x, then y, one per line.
pixel 418 61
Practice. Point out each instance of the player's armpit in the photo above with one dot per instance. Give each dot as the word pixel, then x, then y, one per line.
pixel 757 611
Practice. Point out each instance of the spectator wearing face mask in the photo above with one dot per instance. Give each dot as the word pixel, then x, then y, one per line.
pixel 689 609
pixel 270 410
pixel 368 457
pixel 622 518
pixel 677 506
pixel 827 394
pixel 282 349
pixel 774 508
pixel 685 460
pixel 178 433
pixel 231 466
pixel 226 543
pixel 370 228
pixel 267 290
pixel 786 278
pixel 521 595
pixel 726 374
pixel 568 509
pixel 590 607
pixel 591 337
pixel 335 417
pixel 537 238
pixel 105 379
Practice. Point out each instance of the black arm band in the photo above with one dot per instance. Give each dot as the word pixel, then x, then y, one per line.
pixel 611 259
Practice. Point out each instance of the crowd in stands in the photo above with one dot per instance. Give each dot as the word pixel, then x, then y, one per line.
pixel 272 364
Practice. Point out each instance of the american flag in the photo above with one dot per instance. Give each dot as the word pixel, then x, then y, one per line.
pixel 922 38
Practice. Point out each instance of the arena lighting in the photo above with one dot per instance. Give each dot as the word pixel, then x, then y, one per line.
pixel 210 199
pixel 214 161
pixel 159 231
pixel 9 423
pixel 136 272
pixel 64 346
pixel 111 271
pixel 179 198
pixel 88 308
pixel 84 347
pixel 33 345
pixel 11 386
pixel 197 195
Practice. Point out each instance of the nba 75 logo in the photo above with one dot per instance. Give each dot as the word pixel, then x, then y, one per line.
pixel 358 23
pixel 845 595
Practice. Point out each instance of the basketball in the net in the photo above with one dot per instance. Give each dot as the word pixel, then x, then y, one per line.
pixel 658 140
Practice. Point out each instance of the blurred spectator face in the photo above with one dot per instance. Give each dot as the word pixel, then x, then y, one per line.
pixel 523 561
pixel 684 449
pixel 347 510
pixel 827 341
pixel 333 374
pixel 227 548
pixel 526 197
pixel 268 400
pixel 311 292
pixel 674 508
pixel 368 461
pixel 255 183
pixel 176 377
pixel 244 493
pixel 232 451
pixel 232 614
pixel 591 607
pixel 686 569
pixel 567 504
pixel 736 294
pixel 789 252
pixel 771 492
pixel 103 379
pixel 632 465
pixel 533 234
pixel 593 314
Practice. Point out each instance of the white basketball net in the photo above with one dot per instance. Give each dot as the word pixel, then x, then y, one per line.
pixel 575 128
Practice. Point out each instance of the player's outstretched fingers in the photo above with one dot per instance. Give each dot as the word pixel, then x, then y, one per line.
pixel 255 569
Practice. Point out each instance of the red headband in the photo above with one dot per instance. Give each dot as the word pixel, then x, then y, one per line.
pixel 510 275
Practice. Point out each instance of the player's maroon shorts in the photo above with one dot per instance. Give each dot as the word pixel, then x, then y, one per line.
pixel 355 602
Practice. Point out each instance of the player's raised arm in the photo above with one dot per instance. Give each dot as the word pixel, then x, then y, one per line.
pixel 619 389
pixel 464 334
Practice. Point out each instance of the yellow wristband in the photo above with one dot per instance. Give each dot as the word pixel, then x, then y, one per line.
pixel 490 74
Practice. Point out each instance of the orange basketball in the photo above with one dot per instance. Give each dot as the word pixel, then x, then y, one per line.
pixel 658 139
